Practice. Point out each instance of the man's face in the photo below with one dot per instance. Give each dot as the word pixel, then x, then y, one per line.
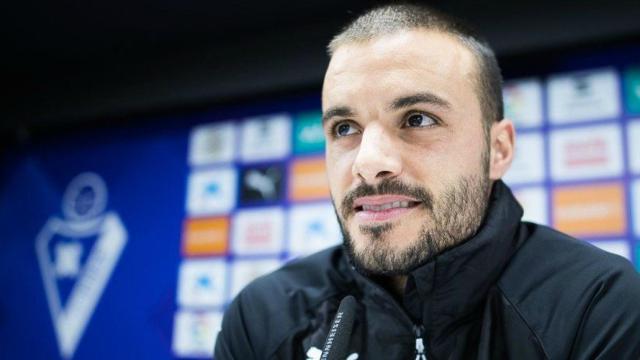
pixel 407 158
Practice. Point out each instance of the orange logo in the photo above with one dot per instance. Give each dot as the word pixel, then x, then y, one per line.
pixel 590 210
pixel 308 180
pixel 205 236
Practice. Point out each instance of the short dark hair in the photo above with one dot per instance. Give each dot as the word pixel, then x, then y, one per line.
pixel 388 19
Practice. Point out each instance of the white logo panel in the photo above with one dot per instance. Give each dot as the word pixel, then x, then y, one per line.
pixel 258 231
pixel 586 153
pixel 212 143
pixel 245 271
pixel 312 227
pixel 633 140
pixel 618 247
pixel 528 164
pixel 523 102
pixel 202 283
pixel 265 138
pixel 195 333
pixel 211 192
pixel 583 96
pixel 534 201
pixel 635 191
pixel 86 228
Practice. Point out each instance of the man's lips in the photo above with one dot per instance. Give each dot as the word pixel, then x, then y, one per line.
pixel 383 207
pixel 383 202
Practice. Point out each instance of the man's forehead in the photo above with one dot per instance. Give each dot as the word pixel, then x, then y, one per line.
pixel 404 47
pixel 399 62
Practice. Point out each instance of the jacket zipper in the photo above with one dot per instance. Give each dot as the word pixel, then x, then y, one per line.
pixel 418 330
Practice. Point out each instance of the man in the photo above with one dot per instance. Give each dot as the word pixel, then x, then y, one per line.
pixel 435 253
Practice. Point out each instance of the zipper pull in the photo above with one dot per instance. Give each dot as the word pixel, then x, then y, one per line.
pixel 420 355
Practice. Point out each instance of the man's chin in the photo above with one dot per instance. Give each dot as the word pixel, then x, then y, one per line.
pixel 367 266
pixel 379 257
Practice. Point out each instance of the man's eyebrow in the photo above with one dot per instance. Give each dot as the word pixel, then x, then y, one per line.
pixel 423 97
pixel 337 111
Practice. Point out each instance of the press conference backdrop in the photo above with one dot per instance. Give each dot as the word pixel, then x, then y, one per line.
pixel 129 243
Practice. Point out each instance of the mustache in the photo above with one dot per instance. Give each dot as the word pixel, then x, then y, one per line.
pixel 386 187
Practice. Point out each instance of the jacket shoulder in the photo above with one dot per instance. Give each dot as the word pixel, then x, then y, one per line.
pixel 271 307
pixel 308 280
pixel 557 284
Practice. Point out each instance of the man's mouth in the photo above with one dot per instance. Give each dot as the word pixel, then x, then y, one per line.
pixel 387 206
pixel 383 207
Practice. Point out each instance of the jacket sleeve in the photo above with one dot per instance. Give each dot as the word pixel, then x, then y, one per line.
pixel 611 325
pixel 233 341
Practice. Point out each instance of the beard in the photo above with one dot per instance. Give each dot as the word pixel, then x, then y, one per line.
pixel 455 216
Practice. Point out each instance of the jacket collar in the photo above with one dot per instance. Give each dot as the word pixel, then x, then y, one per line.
pixel 452 286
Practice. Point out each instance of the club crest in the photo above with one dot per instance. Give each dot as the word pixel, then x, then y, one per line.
pixel 77 254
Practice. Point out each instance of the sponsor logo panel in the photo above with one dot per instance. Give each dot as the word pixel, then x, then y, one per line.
pixel 212 143
pixel 211 192
pixel 205 236
pixel 618 247
pixel 308 135
pixel 202 283
pixel 523 102
pixel 590 210
pixel 195 333
pixel 635 203
pixel 258 231
pixel 245 271
pixel 586 153
pixel 312 227
pixel 632 89
pixel 262 183
pixel 266 137
pixel 308 180
pixel 528 164
pixel 633 141
pixel 534 202
pixel 585 95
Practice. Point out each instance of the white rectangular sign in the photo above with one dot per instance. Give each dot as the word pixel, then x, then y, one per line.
pixel 523 102
pixel 211 192
pixel 583 96
pixel 633 142
pixel 635 193
pixel 528 163
pixel 313 227
pixel 258 231
pixel 212 143
pixel 195 333
pixel 618 247
pixel 202 283
pixel 245 271
pixel 535 203
pixel 586 152
pixel 266 138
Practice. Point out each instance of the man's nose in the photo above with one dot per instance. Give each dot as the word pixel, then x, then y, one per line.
pixel 378 156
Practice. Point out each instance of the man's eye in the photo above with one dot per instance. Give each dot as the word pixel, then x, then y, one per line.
pixel 420 120
pixel 344 129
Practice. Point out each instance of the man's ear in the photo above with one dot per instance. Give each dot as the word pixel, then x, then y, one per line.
pixel 502 147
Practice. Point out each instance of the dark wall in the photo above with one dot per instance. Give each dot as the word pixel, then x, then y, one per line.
pixel 70 65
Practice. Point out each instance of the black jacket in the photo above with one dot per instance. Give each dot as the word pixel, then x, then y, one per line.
pixel 515 290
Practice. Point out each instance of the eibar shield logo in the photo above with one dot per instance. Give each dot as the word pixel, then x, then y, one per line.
pixel 77 254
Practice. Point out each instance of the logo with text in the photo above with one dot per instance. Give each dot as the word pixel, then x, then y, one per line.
pixel 308 180
pixel 590 210
pixel 260 184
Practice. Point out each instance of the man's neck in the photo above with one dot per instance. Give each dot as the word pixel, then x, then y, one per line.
pixel 393 284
